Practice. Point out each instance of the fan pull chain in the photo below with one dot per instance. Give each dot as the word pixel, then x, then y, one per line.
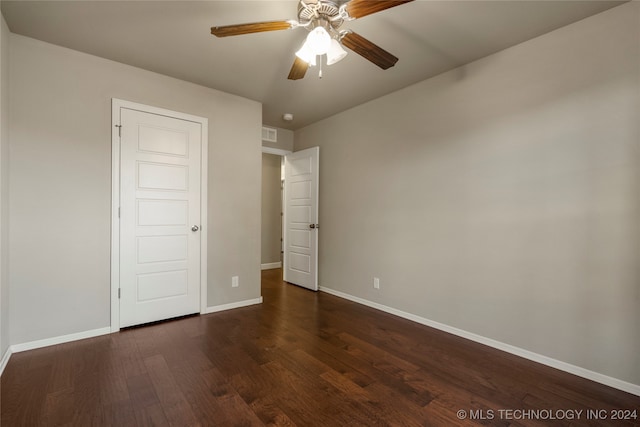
pixel 320 71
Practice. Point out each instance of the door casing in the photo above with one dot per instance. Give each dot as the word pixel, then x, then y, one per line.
pixel 116 105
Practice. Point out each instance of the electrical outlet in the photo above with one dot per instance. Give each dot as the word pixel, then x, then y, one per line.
pixel 376 283
pixel 234 282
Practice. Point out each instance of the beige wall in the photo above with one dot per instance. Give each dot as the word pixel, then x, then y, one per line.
pixel 4 186
pixel 285 140
pixel 501 198
pixel 60 185
pixel 271 208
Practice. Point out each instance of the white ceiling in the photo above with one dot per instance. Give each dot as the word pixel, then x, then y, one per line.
pixel 173 38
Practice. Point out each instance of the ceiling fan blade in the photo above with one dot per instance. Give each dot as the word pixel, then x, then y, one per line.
pixel 360 8
pixel 254 27
pixel 369 51
pixel 298 69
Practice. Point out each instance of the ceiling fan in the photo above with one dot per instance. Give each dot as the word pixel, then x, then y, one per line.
pixel 323 19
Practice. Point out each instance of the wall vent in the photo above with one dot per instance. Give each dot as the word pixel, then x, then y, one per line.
pixel 269 134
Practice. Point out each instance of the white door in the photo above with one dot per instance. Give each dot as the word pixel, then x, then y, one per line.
pixel 301 218
pixel 160 161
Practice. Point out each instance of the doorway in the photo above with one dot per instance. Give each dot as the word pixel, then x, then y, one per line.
pixel 272 211
pixel 290 214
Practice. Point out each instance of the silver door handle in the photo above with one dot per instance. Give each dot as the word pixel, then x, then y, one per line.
pixel 195 228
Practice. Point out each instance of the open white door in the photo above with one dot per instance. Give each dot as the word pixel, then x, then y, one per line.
pixel 301 218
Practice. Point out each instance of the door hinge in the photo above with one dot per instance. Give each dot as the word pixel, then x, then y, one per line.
pixel 119 130
pixel 118 293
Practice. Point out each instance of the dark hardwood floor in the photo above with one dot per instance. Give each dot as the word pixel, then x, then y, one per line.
pixel 300 358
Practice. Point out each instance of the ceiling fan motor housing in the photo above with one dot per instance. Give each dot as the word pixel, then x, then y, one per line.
pixel 312 11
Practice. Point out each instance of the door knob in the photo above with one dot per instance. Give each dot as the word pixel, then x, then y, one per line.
pixel 195 228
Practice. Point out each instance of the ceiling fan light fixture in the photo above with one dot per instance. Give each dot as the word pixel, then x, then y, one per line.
pixel 335 53
pixel 323 19
pixel 319 41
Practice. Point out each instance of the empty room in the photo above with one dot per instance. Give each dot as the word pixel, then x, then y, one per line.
pixel 320 213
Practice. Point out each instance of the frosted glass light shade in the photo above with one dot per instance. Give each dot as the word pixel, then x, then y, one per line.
pixel 335 53
pixel 306 54
pixel 319 41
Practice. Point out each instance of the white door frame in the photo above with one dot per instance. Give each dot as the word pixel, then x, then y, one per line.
pixel 116 105
pixel 276 151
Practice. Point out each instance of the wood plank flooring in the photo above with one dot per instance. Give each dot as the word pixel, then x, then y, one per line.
pixel 299 359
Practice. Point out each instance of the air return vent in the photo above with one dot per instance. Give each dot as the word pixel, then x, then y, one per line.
pixel 269 134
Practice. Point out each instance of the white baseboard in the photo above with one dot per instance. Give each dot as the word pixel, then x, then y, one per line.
pixel 232 305
pixel 16 348
pixel 548 361
pixel 5 359
pixel 271 265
